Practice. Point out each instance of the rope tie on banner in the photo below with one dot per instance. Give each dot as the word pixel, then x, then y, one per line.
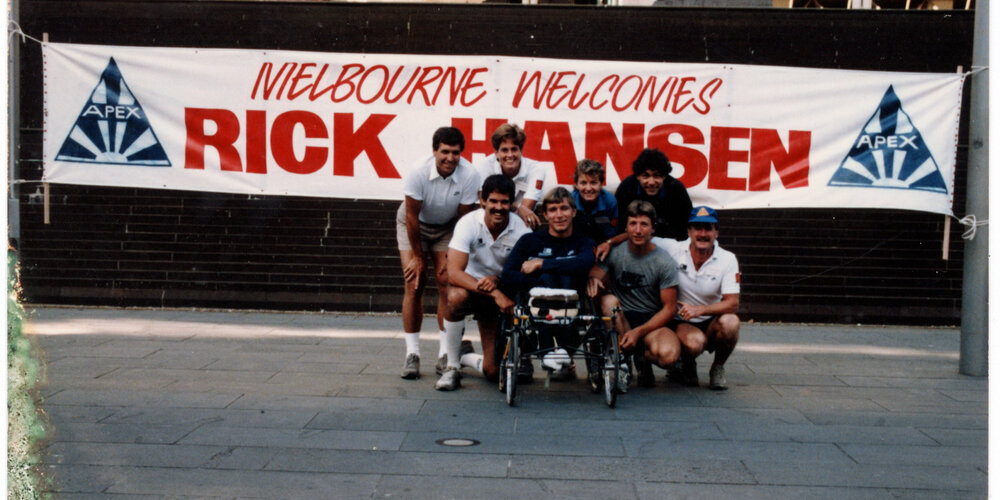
pixel 978 69
pixel 971 223
pixel 14 29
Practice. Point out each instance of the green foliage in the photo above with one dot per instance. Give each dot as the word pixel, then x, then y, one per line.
pixel 25 427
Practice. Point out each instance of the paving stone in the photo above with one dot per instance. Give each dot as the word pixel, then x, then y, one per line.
pixel 603 427
pixel 77 478
pixel 809 433
pixel 119 433
pixel 267 484
pixel 446 465
pixel 199 416
pixel 811 453
pixel 652 490
pixel 958 437
pixel 460 487
pixel 361 405
pixel 675 469
pixel 215 434
pixel 955 456
pixel 126 454
pixel 143 398
pixel 891 419
pixel 964 479
pixel 241 458
pixel 469 423
pixel 60 414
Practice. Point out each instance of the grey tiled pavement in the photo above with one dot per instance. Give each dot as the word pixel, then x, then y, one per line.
pixel 268 405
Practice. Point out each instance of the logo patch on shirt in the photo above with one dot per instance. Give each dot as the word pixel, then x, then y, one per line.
pixel 546 252
pixel 738 277
pixel 538 184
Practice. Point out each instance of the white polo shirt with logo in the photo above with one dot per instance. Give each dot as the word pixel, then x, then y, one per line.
pixel 718 276
pixel 441 196
pixel 528 182
pixel 486 255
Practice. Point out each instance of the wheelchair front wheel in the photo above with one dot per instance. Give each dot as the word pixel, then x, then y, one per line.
pixel 612 362
pixel 508 373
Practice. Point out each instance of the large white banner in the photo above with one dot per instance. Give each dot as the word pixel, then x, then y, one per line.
pixel 350 125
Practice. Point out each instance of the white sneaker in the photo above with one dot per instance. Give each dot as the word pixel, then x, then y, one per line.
pixel 450 380
pixel 557 360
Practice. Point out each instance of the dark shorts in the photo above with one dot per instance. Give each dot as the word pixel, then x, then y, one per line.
pixel 481 307
pixel 636 318
pixel 701 325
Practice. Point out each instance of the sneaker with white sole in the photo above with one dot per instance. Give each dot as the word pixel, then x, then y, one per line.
pixel 556 360
pixel 442 361
pixel 411 367
pixel 450 380
pixel 717 379
pixel 624 376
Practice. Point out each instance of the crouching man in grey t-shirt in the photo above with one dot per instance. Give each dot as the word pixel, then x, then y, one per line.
pixel 643 283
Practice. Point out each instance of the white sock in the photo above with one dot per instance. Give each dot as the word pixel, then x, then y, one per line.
pixel 412 343
pixel 453 341
pixel 474 361
pixel 442 350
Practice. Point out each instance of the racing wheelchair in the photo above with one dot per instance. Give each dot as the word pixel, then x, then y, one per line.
pixel 537 313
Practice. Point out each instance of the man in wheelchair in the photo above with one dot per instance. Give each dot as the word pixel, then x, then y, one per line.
pixel 643 285
pixel 557 259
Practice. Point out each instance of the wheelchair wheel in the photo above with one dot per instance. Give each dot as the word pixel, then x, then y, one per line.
pixel 509 368
pixel 612 361
pixel 595 362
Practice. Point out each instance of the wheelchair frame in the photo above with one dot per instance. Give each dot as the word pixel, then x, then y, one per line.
pixel 518 337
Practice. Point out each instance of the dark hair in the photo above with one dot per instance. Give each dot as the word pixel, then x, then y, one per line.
pixel 555 196
pixel 448 135
pixel 651 159
pixel 589 167
pixel 507 131
pixel 498 183
pixel 639 208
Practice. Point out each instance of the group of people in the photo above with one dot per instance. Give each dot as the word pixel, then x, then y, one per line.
pixel 644 253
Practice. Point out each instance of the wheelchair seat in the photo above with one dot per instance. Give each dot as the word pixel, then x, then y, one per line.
pixel 553 304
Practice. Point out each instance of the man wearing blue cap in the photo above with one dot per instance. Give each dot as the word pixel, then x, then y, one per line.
pixel 708 298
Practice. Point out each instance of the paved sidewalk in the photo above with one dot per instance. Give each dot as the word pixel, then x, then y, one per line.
pixel 272 405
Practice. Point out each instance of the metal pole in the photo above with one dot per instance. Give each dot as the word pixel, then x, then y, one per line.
pixel 13 130
pixel 974 341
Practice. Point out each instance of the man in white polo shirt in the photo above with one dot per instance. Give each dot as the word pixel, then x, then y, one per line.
pixel 438 191
pixel 528 175
pixel 708 299
pixel 482 241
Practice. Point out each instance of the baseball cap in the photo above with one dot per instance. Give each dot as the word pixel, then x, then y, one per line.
pixel 703 214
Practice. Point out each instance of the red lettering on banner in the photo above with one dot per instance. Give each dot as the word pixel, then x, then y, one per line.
pixel 560 152
pixel 256 142
pixel 602 143
pixel 792 165
pixel 348 144
pixel 347 74
pixel 227 131
pixel 282 149
pixel 695 164
pixel 707 92
pixel 472 145
pixel 720 156
pixel 370 84
pixel 292 94
pixel 621 92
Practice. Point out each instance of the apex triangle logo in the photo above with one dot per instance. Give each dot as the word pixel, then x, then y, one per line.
pixel 113 128
pixel 890 153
